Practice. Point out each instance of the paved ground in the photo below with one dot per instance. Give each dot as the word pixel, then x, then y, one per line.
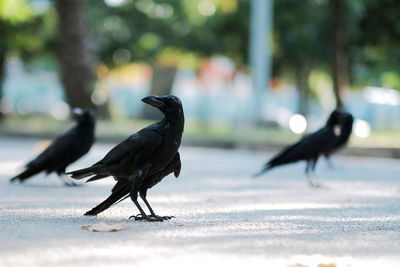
pixel 223 216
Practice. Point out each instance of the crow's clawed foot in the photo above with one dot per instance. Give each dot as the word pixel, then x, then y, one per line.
pixel 157 218
pixel 314 184
pixel 151 218
pixel 318 185
pixel 139 217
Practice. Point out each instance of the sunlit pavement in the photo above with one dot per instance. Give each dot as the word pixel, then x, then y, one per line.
pixel 223 216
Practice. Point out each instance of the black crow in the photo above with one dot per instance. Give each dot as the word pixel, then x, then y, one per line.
pixel 310 147
pixel 142 160
pixel 64 150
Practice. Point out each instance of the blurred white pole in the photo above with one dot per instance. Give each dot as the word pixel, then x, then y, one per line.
pixel 260 50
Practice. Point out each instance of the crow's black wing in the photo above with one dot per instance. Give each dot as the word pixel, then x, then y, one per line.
pixel 308 147
pixel 137 148
pixel 48 160
pixel 143 142
pixel 57 151
pixel 173 167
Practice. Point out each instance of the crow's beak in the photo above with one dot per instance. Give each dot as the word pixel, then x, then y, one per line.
pixel 154 101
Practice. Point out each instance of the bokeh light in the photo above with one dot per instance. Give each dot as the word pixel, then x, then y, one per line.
pixel 297 123
pixel 114 3
pixel 361 128
pixel 121 56
pixel 206 8
pixel 163 11
pixel 60 110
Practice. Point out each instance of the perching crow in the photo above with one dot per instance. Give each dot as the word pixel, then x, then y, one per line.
pixel 64 150
pixel 310 147
pixel 142 160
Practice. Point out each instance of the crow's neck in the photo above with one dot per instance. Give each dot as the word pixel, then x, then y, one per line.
pixel 87 126
pixel 176 122
pixel 347 128
pixel 331 126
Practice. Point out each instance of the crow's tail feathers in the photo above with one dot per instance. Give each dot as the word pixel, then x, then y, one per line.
pixel 30 171
pixel 119 193
pixel 97 177
pixel 82 173
pixel 266 168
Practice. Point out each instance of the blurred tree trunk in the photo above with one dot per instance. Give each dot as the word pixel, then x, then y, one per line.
pixel 340 59
pixel 3 50
pixel 2 76
pixel 302 73
pixel 77 64
pixel 161 84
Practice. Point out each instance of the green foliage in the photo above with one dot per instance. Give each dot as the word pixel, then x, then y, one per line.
pixel 15 11
pixel 390 79
pixel 301 33
pixel 145 28
pixel 23 32
pixel 374 43
pixel 182 32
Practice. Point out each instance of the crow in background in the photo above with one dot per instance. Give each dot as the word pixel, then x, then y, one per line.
pixel 64 150
pixel 310 147
pixel 142 160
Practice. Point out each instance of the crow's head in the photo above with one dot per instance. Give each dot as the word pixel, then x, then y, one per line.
pixel 338 116
pixel 82 115
pixel 169 105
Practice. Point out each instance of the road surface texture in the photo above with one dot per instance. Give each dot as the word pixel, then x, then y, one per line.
pixel 223 216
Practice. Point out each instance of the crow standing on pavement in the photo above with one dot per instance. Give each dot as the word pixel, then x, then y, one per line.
pixel 142 160
pixel 310 147
pixel 64 150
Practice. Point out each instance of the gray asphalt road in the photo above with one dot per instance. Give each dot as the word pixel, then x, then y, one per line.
pixel 223 216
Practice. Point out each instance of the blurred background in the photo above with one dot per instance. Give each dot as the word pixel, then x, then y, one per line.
pixel 249 72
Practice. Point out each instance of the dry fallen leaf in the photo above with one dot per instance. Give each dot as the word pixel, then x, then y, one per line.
pixel 103 227
pixel 327 264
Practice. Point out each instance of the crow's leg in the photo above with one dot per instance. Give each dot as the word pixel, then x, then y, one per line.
pixel 310 171
pixel 329 162
pixel 134 195
pixel 67 181
pixel 143 194
pixel 312 178
pixel 137 179
pixel 307 171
